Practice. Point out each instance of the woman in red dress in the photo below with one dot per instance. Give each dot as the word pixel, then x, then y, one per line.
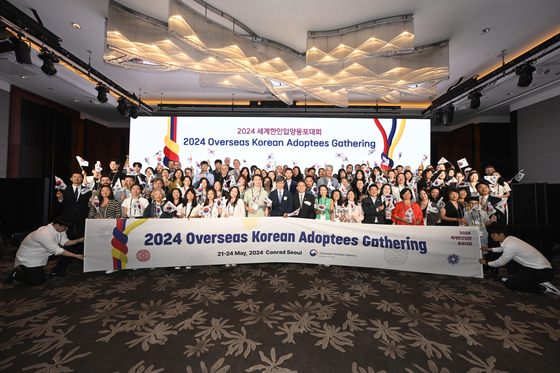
pixel 399 213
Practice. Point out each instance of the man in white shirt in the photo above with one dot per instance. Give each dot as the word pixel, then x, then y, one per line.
pixel 35 250
pixel 532 270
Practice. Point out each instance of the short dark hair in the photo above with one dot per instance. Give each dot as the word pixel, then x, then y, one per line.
pixel 218 161
pixel 115 160
pixel 137 164
pixel 372 185
pixel 62 220
pixel 203 162
pixel 498 228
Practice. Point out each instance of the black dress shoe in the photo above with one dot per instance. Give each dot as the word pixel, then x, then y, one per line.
pixel 60 275
pixel 8 280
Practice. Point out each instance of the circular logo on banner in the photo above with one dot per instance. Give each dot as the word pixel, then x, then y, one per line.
pixel 143 255
pixel 105 233
pixel 395 257
pixel 313 252
pixel 453 259
pixel 198 259
pixel 250 223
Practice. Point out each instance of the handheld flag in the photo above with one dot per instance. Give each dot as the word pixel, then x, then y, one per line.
pixel 270 157
pixel 169 207
pixel 424 158
pixel 212 152
pixel 432 208
pixel 267 202
pixel 199 190
pixel 462 163
pixel 59 184
pixel 95 203
pixel 491 179
pixel 462 184
pixel 205 211
pixel 400 155
pixel 442 161
pixel 314 190
pixel 159 211
pixel 452 181
pixel 490 209
pixel 409 215
pixel 345 159
pixel 320 207
pixel 82 162
pixel 293 213
pixel 130 171
pixel 220 202
pixel 147 160
pixel 501 206
pixel 85 188
pixel 519 176
pixel 338 155
pixel 437 183
pixel 98 167
pixel 371 151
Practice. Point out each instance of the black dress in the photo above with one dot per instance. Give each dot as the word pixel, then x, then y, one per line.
pixel 452 212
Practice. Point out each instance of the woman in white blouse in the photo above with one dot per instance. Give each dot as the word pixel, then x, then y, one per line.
pixel 134 206
pixel 189 208
pixel 235 207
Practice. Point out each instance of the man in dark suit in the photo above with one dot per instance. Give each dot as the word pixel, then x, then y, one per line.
pixel 305 202
pixel 75 208
pixel 282 201
pixel 290 185
pixel 373 207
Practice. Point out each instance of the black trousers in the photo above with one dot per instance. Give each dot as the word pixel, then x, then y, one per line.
pixel 30 275
pixel 528 279
pixel 64 261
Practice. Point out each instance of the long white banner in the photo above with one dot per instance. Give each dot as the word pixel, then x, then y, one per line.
pixel 143 243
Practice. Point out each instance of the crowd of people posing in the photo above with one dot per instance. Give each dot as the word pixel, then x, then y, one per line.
pixel 355 194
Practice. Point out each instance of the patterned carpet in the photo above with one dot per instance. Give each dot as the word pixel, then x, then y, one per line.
pixel 275 318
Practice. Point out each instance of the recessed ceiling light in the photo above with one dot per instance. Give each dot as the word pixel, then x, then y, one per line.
pixel 76 25
pixel 76 100
pixel 24 77
pixel 484 31
pixel 511 93
pixel 402 95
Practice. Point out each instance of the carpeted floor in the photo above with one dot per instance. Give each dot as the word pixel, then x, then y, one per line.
pixel 275 318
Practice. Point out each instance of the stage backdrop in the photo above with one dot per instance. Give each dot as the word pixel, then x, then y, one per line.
pixel 283 141
pixel 146 243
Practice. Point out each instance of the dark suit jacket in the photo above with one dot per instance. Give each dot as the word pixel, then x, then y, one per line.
pixel 370 211
pixel 292 188
pixel 76 211
pixel 307 210
pixel 279 209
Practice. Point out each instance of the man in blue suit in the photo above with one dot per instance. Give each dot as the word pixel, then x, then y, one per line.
pixel 282 201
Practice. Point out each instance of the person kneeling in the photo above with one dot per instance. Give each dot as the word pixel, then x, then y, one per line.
pixel 35 250
pixel 535 269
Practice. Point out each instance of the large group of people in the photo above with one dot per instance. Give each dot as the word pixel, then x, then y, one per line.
pixel 429 196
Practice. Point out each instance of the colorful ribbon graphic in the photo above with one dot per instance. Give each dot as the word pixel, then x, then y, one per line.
pixel 388 144
pixel 171 149
pixel 120 240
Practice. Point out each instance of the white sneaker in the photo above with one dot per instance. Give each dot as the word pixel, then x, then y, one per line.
pixel 111 271
pixel 549 288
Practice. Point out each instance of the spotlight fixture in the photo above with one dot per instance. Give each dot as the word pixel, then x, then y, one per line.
pixel 484 31
pixel 74 24
pixel 438 118
pixel 475 96
pixel 49 59
pixel 19 47
pixel 124 107
pixel 448 112
pixel 134 111
pixel 525 73
pixel 102 93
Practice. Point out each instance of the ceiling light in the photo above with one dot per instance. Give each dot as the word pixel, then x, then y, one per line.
pixel 102 93
pixel 484 31
pixel 134 112
pixel 475 96
pixel 49 59
pixel 76 25
pixel 76 100
pixel 438 118
pixel 19 47
pixel 24 77
pixel 511 93
pixel 448 112
pixel 525 73
pixel 124 107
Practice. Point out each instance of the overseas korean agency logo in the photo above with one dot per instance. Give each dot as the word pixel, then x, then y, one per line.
pixel 313 252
